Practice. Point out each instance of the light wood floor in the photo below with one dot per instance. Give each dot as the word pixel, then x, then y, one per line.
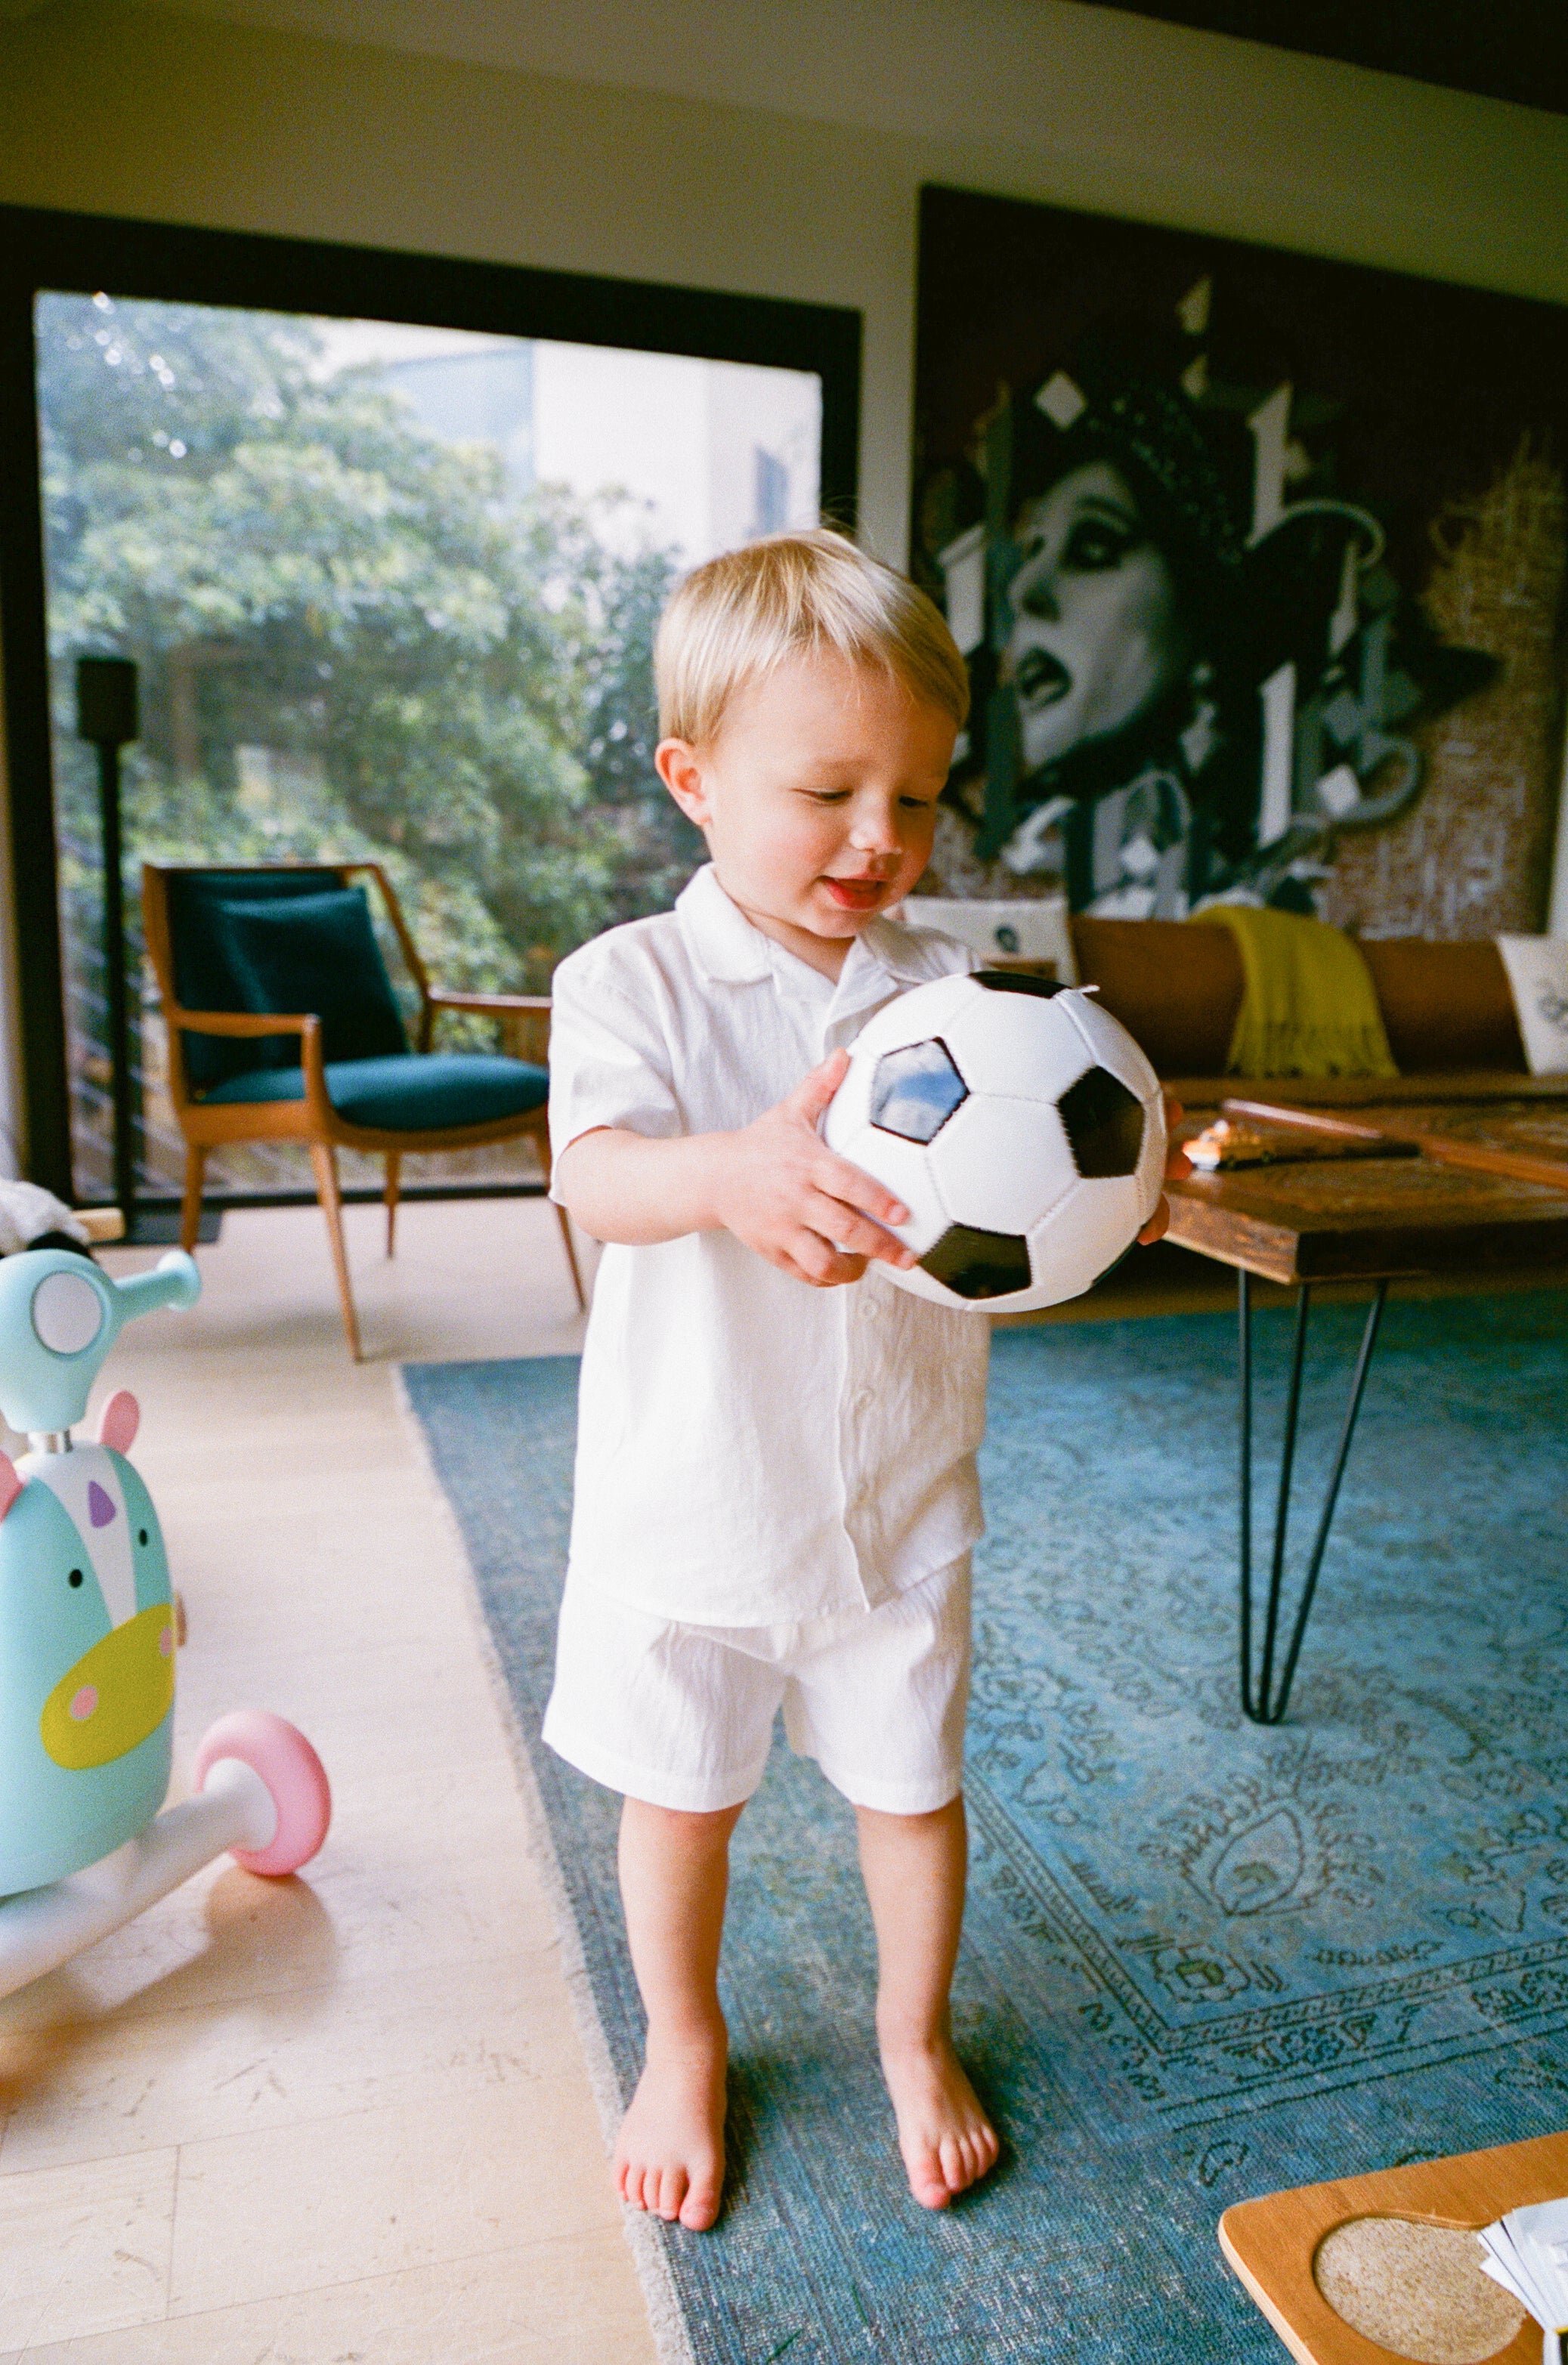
pixel 346 2117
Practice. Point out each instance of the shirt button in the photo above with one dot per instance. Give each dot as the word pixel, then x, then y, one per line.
pixel 862 1400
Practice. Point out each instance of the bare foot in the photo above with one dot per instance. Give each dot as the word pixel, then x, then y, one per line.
pixel 669 2155
pixel 947 2140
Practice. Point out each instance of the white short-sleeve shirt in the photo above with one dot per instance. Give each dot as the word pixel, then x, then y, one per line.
pixel 750 1451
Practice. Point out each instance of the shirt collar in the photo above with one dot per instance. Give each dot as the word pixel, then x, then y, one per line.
pixel 730 951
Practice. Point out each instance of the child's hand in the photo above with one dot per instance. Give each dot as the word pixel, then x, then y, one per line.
pixel 779 1188
pixel 1178 1166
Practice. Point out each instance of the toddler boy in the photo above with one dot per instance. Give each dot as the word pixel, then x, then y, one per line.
pixel 775 1487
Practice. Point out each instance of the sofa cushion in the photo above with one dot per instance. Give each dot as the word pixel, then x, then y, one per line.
pixel 1177 990
pixel 1446 1006
pixel 430 1092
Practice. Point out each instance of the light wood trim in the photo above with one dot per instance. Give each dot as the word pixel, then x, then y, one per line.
pixel 101 1224
pixel 525 1018
pixel 1271 2243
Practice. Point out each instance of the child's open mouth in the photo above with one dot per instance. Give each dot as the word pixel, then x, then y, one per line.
pixel 856 894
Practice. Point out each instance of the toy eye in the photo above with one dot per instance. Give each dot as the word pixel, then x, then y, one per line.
pixel 75 1577
pixel 141 1535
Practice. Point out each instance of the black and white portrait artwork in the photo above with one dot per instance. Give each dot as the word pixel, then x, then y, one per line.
pixel 1252 558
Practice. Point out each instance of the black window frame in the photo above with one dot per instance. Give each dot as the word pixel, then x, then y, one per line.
pixel 44 251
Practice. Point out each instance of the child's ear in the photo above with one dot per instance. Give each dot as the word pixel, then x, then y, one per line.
pixel 680 769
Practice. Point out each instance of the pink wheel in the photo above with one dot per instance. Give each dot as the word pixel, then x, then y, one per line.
pixel 295 1780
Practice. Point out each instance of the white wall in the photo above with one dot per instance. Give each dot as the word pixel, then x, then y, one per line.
pixel 185 118
pixel 771 150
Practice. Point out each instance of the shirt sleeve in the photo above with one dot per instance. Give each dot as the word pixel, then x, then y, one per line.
pixel 609 1060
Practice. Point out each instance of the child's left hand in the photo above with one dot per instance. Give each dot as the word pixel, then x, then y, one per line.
pixel 1178 1166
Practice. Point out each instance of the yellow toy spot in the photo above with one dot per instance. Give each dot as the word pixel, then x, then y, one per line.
pixel 117 1694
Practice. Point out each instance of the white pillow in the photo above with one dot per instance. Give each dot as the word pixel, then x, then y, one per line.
pixel 1538 973
pixel 1026 928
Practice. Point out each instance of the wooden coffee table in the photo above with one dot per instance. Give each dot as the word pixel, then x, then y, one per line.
pixel 1374 1219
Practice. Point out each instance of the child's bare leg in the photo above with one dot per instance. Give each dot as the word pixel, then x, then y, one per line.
pixel 915 1866
pixel 669 2158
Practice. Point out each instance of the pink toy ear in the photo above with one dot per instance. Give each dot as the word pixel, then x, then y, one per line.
pixel 10 1484
pixel 119 1420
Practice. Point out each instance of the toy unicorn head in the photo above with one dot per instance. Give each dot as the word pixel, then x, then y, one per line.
pixel 87 1618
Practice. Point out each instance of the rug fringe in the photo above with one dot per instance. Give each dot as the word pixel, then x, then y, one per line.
pixel 666 2318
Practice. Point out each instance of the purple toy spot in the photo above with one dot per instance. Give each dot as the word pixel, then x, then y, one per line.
pixel 100 1506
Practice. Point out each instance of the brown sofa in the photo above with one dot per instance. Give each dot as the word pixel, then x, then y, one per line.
pixel 1447 1007
pixel 1452 1029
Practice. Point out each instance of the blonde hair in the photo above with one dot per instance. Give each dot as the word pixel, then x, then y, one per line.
pixel 733 619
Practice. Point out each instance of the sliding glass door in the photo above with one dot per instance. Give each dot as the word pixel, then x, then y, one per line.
pixel 390 585
pixel 391 593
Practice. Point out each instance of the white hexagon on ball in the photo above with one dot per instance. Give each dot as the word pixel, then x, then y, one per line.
pixel 939 1002
pixel 1087 1234
pixel 1002 1164
pixel 1000 1047
pixel 900 1167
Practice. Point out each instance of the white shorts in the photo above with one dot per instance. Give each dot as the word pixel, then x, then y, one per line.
pixel 682 1716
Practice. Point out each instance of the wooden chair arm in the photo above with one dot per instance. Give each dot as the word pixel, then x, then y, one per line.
pixel 253 1023
pixel 242 1022
pixel 525 1018
pixel 497 1004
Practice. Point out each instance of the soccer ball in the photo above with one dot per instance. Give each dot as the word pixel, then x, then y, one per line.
pixel 1020 1124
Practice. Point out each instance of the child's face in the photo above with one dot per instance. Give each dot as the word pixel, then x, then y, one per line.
pixel 818 799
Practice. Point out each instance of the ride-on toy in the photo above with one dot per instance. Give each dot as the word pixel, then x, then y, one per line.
pixel 87 1649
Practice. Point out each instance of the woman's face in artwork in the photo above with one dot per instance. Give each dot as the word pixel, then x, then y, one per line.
pixel 1096 637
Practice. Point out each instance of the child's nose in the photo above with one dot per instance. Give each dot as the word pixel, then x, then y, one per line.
pixel 875 832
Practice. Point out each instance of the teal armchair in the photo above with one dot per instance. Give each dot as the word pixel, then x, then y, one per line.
pixel 283 1025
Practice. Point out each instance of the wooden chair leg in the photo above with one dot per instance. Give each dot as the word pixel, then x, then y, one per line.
pixel 566 1223
pixel 190 1210
pixel 394 1169
pixel 325 1162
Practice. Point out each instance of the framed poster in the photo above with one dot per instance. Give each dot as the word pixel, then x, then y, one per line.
pixel 1258 561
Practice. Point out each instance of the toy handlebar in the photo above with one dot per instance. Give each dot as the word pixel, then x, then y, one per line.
pixel 173 1281
pixel 59 1318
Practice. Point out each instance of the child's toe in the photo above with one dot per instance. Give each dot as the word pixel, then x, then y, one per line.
pixel 701 2207
pixel 928 2181
pixel 672 2193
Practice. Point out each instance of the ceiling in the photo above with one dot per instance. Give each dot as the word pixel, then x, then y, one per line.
pixel 1499 49
pixel 963 69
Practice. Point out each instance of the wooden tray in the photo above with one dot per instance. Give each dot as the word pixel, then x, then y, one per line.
pixel 1271 2243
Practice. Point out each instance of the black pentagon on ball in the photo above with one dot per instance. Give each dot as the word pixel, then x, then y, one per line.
pixel 915 1091
pixel 979 1264
pixel 1018 981
pixel 1104 1124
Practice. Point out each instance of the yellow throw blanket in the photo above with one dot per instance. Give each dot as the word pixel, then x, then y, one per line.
pixel 1309 1005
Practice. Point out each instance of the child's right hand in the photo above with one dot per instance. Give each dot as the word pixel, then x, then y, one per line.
pixel 779 1188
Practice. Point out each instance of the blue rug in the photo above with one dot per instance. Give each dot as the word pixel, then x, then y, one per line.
pixel 1201 1960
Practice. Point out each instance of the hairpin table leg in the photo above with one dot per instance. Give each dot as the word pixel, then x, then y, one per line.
pixel 1263 1699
